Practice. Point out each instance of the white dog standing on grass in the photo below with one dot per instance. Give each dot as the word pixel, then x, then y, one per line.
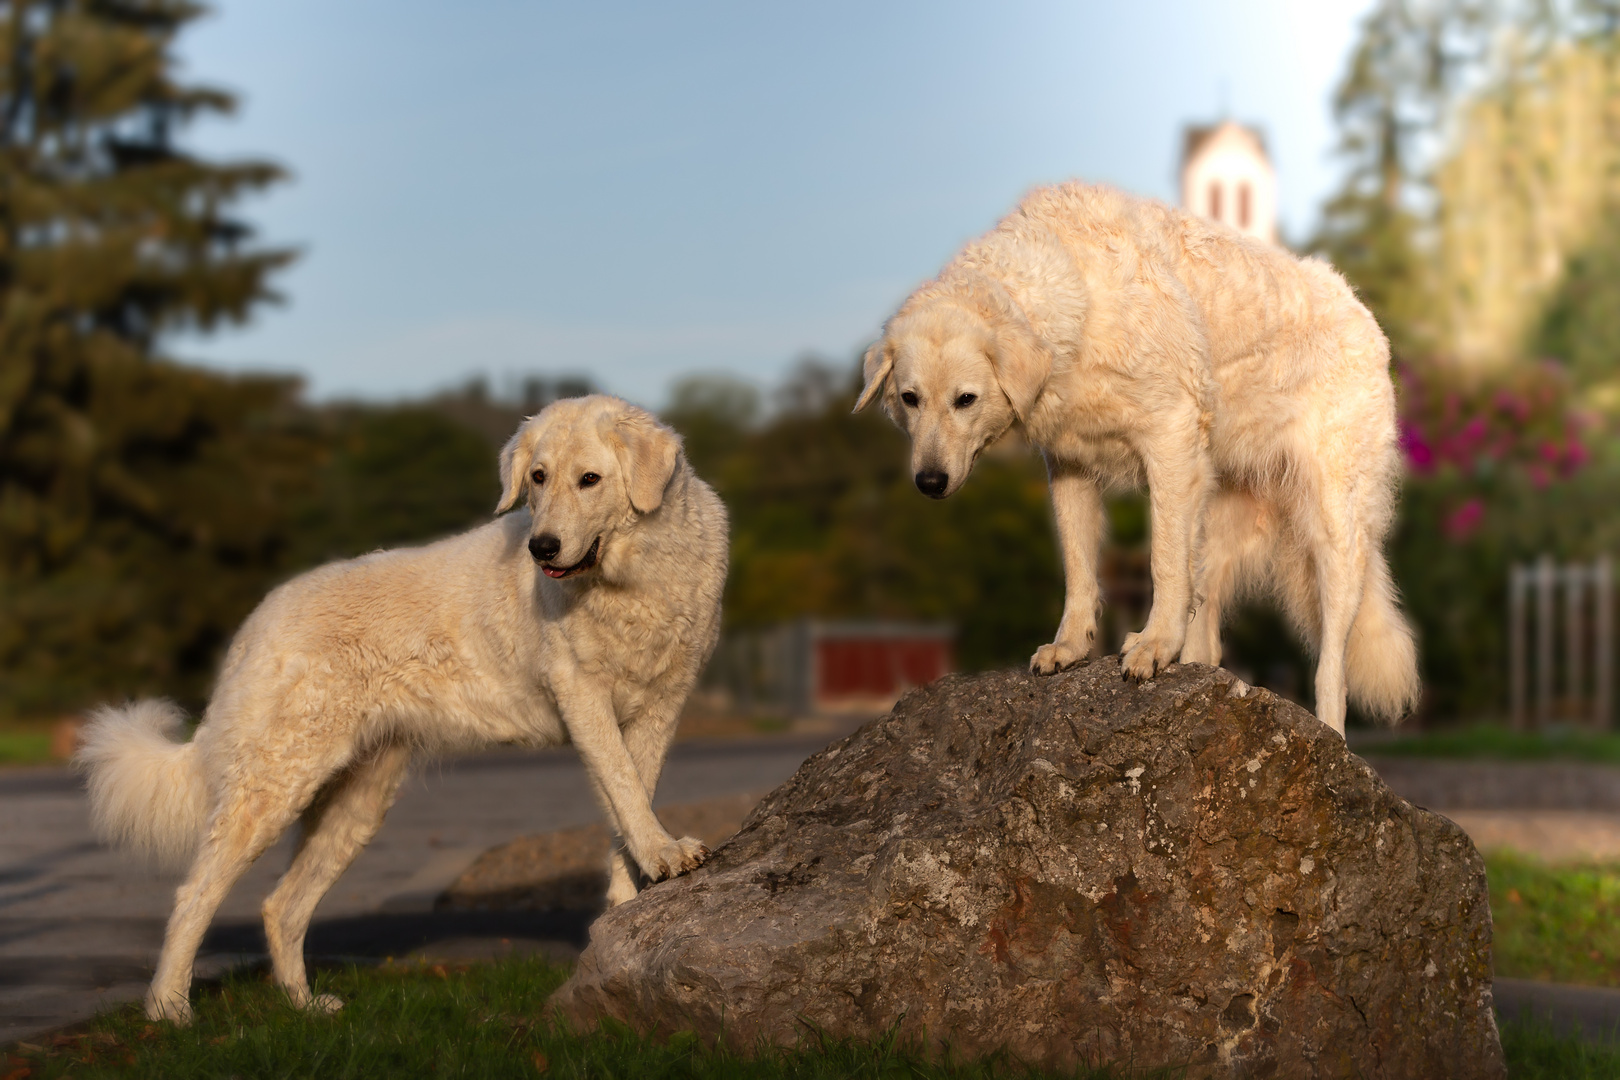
pixel 1247 388
pixel 585 618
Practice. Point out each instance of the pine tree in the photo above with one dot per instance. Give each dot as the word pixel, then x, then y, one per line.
pixel 122 475
pixel 1405 72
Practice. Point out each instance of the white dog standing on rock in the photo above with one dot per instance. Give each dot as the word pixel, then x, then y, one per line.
pixel 586 618
pixel 1247 388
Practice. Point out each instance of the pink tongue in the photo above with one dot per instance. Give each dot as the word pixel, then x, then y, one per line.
pixel 553 573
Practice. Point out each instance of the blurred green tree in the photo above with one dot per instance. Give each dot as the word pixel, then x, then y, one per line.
pixel 120 473
pixel 714 414
pixel 827 522
pixel 1581 323
pixel 392 475
pixel 1481 139
pixel 1405 70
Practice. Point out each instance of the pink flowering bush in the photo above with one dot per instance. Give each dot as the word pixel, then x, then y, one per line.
pixel 1472 433
pixel 1499 470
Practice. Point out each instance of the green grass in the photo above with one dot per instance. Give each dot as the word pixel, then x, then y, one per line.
pixel 1535 1052
pixel 479 1022
pixel 25 747
pixel 484 1021
pixel 1555 923
pixel 1499 743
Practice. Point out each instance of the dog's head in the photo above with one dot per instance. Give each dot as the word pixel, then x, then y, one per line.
pixel 588 467
pixel 954 370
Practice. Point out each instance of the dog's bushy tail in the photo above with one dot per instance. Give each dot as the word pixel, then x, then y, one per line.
pixel 148 793
pixel 1380 666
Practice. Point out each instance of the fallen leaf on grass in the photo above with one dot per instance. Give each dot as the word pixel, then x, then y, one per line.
pixel 541 1062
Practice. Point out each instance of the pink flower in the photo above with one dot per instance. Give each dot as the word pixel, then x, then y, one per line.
pixel 1418 452
pixel 1513 405
pixel 1576 455
pixel 1462 522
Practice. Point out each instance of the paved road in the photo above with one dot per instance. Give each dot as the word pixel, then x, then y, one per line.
pixel 80 927
pixel 1590 1011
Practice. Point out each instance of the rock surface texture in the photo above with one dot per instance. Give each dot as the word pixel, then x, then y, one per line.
pixel 1078 869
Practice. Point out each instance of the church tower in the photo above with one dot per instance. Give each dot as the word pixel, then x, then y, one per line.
pixel 1227 177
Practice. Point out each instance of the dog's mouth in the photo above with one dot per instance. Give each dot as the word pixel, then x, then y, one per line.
pixel 580 567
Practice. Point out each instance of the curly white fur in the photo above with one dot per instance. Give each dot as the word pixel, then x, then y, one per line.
pixel 584 617
pixel 1247 388
pixel 148 792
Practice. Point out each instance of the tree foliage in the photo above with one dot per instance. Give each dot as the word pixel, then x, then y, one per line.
pixel 827 522
pixel 109 237
pixel 1476 220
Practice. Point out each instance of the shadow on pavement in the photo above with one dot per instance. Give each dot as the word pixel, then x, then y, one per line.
pixel 451 935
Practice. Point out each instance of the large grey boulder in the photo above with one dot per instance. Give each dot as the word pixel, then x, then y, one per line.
pixel 1078 868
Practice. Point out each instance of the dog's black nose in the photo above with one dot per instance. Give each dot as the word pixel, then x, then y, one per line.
pixel 543 547
pixel 932 483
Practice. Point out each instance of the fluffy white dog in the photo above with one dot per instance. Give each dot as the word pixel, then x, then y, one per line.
pixel 1247 388
pixel 585 618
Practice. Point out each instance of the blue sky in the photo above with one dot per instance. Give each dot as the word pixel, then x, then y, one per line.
pixel 638 191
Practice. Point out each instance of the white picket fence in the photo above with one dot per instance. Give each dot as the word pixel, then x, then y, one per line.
pixel 1576 635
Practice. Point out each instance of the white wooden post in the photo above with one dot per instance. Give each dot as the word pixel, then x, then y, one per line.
pixel 1602 644
pixel 1574 638
pixel 1546 581
pixel 1518 583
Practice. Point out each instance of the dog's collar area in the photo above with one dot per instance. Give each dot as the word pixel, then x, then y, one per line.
pixel 560 572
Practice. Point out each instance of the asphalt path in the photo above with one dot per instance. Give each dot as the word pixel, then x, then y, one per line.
pixel 80 926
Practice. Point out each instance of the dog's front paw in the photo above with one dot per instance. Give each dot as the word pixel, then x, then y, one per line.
pixel 677 857
pixel 325 1003
pixel 1056 657
pixel 1146 655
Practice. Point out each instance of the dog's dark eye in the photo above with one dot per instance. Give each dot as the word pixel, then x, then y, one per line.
pixel 965 400
pixel 538 476
pixel 590 479
pixel 909 398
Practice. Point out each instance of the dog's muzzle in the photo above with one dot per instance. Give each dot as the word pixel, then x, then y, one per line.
pixel 933 482
pixel 580 567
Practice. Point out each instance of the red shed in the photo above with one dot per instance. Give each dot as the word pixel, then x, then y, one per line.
pixel 868 665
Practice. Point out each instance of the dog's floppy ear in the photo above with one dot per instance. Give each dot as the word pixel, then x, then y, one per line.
pixel 647 452
pixel 516 457
pixel 1022 366
pixel 879 362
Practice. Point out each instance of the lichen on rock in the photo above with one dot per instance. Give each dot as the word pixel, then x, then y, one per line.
pixel 1078 868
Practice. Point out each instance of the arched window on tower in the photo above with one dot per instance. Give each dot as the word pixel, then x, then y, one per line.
pixel 1243 205
pixel 1215 200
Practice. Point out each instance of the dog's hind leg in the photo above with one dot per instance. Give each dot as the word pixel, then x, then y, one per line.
pixel 1340 551
pixel 1239 534
pixel 342 820
pixel 244 823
